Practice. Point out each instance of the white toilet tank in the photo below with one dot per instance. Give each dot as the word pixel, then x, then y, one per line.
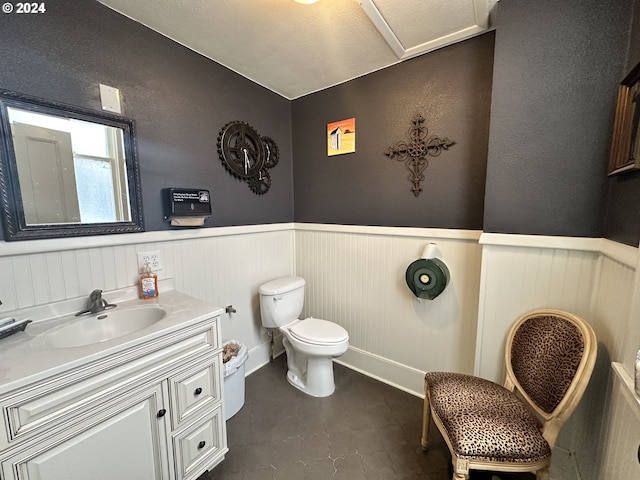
pixel 281 301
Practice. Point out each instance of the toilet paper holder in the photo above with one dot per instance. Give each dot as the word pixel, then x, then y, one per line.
pixel 428 276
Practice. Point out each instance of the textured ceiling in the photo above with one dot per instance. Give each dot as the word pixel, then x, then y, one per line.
pixel 294 49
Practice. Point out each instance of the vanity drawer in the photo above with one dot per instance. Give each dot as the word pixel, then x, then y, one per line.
pixel 195 389
pixel 200 446
pixel 72 396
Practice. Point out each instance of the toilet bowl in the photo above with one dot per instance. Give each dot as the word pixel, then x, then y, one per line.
pixel 310 344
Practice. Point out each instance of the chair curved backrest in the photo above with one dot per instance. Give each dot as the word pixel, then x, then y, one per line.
pixel 550 355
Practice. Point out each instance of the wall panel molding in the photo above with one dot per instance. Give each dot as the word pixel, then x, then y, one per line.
pixel 220 266
pixel 540 241
pixel 356 277
pixel 99 241
pixel 617 251
pixel 592 277
pixel 452 234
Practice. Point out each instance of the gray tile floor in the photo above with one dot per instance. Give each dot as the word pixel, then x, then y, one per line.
pixel 366 430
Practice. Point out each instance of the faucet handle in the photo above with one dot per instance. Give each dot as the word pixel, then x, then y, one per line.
pixel 95 295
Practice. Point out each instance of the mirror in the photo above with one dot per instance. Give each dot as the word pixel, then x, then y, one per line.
pixel 66 171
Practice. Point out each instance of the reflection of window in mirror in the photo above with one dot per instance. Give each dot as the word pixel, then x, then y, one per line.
pixel 70 171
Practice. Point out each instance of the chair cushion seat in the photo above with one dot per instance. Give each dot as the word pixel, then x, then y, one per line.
pixel 485 421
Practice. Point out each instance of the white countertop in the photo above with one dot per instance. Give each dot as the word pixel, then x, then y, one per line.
pixel 24 357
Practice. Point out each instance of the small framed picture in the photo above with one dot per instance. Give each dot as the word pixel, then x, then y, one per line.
pixel 341 137
pixel 625 147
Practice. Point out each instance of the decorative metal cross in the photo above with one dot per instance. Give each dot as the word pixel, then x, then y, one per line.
pixel 415 153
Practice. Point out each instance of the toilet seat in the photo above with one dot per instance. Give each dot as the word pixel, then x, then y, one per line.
pixel 318 332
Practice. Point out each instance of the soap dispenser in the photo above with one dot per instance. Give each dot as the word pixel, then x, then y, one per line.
pixel 148 287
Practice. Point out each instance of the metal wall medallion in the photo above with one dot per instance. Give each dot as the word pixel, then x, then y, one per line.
pixel 247 155
pixel 415 153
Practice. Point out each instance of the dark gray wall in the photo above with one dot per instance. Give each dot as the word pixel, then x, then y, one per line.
pixel 178 99
pixel 451 88
pixel 557 67
pixel 623 206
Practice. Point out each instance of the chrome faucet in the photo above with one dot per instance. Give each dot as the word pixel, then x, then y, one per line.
pixel 96 303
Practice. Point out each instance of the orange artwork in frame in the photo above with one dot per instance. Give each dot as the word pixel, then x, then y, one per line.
pixel 341 137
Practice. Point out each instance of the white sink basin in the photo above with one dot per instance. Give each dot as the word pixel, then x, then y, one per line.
pixel 103 326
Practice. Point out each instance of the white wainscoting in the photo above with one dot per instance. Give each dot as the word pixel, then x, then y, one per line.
pixel 223 266
pixel 607 440
pixel 523 275
pixel 620 452
pixel 356 277
pixel 609 317
pixel 593 278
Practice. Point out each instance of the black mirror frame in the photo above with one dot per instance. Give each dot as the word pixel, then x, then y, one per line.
pixel 15 227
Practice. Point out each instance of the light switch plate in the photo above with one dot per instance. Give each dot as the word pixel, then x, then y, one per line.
pixel 110 98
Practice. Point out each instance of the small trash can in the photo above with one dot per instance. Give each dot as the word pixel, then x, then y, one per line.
pixel 235 354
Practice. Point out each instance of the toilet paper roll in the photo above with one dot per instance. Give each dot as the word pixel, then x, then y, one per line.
pixel 430 250
pixel 187 221
pixel 427 278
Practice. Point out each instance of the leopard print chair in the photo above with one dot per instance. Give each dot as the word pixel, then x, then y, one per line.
pixel 549 359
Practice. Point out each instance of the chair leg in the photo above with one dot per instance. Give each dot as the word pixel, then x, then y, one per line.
pixel 426 418
pixel 460 468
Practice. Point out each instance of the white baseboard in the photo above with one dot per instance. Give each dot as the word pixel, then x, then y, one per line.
pixel 261 355
pixel 387 371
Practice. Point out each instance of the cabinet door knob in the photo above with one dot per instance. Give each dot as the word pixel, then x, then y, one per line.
pixel 202 444
pixel 198 391
pixel 161 413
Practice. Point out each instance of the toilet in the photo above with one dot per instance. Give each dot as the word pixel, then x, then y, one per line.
pixel 310 344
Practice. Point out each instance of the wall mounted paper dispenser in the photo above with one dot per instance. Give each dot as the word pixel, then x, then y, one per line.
pixel 186 207
pixel 428 276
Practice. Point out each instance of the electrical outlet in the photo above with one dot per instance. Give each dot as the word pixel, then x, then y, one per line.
pixel 152 258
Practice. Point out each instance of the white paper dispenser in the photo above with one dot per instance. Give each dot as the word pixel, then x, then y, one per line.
pixel 428 276
pixel 186 207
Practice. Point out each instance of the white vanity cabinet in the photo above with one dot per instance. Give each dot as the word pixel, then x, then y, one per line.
pixel 149 411
pixel 125 441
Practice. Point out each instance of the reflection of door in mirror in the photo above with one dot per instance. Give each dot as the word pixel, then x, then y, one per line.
pixel 70 171
pixel 46 174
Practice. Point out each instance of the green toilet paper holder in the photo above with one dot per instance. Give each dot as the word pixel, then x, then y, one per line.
pixel 428 276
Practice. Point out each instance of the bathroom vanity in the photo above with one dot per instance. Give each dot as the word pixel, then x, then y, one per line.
pixel 78 403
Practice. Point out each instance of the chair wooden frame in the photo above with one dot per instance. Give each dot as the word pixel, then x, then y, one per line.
pixel 551 422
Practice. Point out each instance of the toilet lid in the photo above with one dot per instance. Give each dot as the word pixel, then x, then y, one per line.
pixel 314 330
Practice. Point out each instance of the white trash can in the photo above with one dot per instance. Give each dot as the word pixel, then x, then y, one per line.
pixel 234 380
